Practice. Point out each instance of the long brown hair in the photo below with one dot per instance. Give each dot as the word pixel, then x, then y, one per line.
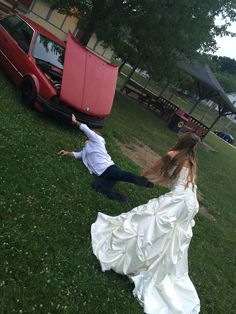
pixel 185 150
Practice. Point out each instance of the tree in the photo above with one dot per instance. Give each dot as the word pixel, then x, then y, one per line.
pixel 225 64
pixel 224 69
pixel 227 81
pixel 152 34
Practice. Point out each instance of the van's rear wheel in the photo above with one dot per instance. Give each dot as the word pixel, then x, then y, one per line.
pixel 27 92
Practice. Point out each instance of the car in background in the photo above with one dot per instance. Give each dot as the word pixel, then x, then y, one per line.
pixel 53 76
pixel 226 136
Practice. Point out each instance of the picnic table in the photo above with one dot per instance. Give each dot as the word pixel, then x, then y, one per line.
pixel 163 107
pixel 151 100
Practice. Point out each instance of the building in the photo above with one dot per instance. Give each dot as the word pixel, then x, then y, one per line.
pixel 41 12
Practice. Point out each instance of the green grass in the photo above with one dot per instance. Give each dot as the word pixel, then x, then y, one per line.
pixel 47 208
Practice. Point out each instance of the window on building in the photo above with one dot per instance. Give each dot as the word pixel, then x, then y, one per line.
pixel 26 3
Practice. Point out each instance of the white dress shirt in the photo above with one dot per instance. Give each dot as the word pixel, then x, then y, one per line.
pixel 94 154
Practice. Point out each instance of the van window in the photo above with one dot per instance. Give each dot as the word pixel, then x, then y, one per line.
pixel 20 31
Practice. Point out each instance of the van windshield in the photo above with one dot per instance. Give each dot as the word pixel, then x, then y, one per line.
pixel 49 51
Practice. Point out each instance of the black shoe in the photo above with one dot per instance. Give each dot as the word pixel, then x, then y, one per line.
pixel 143 181
pixel 149 184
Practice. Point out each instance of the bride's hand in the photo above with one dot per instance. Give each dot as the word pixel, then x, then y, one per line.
pixel 156 181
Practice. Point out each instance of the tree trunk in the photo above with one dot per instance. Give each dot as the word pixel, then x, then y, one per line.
pixel 90 28
pixel 164 89
pixel 128 78
pixel 121 66
pixel 84 38
pixel 147 82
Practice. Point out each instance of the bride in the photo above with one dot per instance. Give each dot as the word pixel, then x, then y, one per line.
pixel 150 243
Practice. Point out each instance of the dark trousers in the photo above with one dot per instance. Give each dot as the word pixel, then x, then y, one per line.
pixel 106 181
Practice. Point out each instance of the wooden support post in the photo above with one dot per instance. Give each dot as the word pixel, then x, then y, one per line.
pixel 194 106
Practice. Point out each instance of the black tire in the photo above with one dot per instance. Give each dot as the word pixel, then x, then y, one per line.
pixel 27 92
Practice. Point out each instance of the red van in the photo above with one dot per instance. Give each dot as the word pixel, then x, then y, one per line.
pixel 56 77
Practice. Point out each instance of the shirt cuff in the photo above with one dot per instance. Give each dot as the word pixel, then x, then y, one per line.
pixel 77 154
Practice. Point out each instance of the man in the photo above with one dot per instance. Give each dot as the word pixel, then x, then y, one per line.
pixel 96 159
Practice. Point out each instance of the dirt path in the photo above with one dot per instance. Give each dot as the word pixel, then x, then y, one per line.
pixel 140 153
pixel 144 156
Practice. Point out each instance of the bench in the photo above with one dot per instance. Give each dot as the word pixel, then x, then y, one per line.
pixel 197 127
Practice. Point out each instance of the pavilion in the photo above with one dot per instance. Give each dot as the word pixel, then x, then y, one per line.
pixel 208 87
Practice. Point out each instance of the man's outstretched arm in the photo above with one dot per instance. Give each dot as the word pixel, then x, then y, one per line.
pixel 63 152
pixel 75 121
pixel 70 154
pixel 66 153
pixel 84 128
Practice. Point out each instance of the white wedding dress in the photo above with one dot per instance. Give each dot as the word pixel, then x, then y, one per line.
pixel 150 244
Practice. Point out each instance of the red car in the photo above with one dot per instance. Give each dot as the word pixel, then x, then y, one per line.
pixel 55 77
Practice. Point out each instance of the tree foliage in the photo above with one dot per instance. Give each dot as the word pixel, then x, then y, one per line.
pixel 152 34
pixel 224 65
pixel 227 81
pixel 224 69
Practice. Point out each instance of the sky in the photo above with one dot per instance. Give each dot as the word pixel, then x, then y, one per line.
pixel 227 44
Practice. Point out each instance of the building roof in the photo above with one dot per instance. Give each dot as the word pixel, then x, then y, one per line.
pixel 208 85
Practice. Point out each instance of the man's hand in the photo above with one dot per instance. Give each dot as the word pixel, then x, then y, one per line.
pixel 65 153
pixel 74 120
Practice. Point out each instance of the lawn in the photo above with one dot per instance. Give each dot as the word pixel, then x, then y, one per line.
pixel 47 208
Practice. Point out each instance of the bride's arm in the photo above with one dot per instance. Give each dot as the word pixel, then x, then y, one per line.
pixel 158 165
pixel 157 181
pixel 153 169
